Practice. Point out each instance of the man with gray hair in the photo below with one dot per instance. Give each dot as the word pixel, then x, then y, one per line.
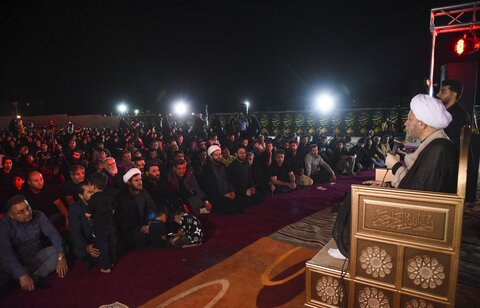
pixel 115 181
pixel 433 166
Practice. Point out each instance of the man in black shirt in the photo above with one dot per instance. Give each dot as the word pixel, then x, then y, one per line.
pixel 450 94
pixel 45 199
pixel 240 175
pixel 7 175
pixel 281 173
pixel 297 161
pixel 155 186
pixel 218 187
pixel 139 222
pixel 69 188
pixel 80 228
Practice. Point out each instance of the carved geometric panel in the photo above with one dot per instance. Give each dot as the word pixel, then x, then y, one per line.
pixel 376 261
pixel 373 297
pixel 328 290
pixel 416 302
pixel 426 271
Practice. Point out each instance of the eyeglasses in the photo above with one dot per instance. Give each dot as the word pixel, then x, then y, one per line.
pixel 25 211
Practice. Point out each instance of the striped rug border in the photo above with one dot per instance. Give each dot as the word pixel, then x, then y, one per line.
pixel 313 231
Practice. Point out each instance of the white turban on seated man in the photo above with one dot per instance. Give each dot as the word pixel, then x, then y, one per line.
pixel 436 154
pixel 432 167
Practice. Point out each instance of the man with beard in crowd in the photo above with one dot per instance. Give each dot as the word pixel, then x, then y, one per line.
pixel 316 168
pixel 140 163
pixel 297 161
pixel 156 187
pixel 74 159
pixel 7 175
pixel 126 162
pixel 115 181
pixel 158 147
pixel 184 191
pixel 343 159
pixel 363 161
pixel 69 188
pixel 81 229
pixel 281 173
pixel 152 159
pixel 450 94
pixel 241 176
pixel 139 222
pixel 218 187
pixel 199 162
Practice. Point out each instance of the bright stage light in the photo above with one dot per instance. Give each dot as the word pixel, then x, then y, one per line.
pixel 136 111
pixel 122 108
pixel 324 102
pixel 247 106
pixel 180 108
pixel 467 44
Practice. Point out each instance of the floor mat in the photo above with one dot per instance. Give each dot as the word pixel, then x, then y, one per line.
pixel 313 231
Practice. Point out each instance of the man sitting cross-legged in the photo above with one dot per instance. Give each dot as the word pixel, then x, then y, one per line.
pixel 22 253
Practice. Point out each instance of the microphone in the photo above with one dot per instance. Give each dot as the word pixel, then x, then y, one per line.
pixel 396 144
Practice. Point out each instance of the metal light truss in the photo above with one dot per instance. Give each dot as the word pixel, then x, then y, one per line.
pixel 448 19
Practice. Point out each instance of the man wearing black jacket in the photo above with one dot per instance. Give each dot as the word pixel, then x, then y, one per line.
pixel 81 229
pixel 218 187
pixel 139 222
pixel 241 177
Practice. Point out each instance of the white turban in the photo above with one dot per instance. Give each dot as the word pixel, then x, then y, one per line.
pixel 430 111
pixel 212 149
pixel 130 173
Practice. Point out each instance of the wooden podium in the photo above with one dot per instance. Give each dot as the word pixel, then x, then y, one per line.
pixel 405 247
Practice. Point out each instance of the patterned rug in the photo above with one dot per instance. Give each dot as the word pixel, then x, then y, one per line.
pixel 267 273
pixel 313 231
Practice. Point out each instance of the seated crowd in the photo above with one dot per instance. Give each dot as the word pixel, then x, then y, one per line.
pixel 92 194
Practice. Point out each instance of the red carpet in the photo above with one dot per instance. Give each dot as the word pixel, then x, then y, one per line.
pixel 143 274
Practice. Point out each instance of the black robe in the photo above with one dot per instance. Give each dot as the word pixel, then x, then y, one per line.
pixel 435 169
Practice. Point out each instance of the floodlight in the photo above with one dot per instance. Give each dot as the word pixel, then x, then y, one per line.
pixel 247 105
pixel 180 108
pixel 136 111
pixel 324 102
pixel 122 108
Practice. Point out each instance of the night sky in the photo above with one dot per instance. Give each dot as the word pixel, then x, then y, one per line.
pixel 84 57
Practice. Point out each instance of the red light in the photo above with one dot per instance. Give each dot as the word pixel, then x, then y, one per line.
pixel 468 44
pixel 460 47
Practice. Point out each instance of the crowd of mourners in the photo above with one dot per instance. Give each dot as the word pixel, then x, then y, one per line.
pixel 91 194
